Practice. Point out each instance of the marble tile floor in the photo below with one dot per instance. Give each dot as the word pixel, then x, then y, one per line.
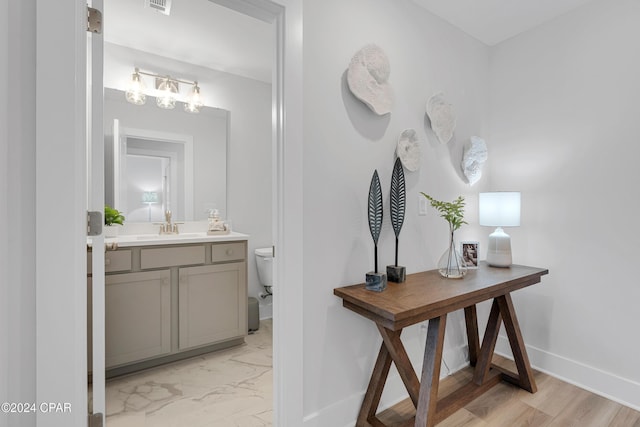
pixel 227 388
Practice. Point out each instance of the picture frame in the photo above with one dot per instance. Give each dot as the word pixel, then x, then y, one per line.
pixel 470 250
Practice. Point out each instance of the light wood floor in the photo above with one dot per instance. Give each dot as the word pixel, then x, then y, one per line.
pixel 556 404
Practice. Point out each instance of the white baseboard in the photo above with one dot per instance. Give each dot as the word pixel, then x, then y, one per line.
pixel 597 381
pixel 345 411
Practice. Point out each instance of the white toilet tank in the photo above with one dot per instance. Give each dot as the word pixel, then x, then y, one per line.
pixel 264 261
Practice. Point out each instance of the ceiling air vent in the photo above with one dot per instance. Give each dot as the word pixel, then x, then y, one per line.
pixel 162 6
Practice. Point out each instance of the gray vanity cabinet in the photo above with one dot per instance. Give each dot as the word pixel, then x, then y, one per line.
pixel 169 302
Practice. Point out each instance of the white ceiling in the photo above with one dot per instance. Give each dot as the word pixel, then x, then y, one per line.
pixel 203 33
pixel 493 21
pixel 197 32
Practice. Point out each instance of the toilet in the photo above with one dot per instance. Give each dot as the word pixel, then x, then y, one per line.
pixel 264 261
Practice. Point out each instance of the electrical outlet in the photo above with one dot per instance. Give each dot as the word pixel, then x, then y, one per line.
pixel 422 205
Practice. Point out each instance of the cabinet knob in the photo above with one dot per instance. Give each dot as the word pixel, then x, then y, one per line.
pixel 107 261
pixel 229 251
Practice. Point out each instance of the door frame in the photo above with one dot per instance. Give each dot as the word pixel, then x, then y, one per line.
pixel 61 329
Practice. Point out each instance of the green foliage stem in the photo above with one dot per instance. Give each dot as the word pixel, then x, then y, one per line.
pixel 452 212
pixel 112 216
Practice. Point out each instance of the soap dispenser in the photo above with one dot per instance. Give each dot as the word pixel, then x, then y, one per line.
pixel 216 225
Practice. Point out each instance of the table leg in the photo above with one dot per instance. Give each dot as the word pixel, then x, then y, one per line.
pixel 518 349
pixel 401 360
pixel 471 320
pixel 488 345
pixel 376 385
pixel 502 310
pixel 428 399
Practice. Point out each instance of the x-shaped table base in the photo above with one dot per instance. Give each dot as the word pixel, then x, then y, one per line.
pixel 424 392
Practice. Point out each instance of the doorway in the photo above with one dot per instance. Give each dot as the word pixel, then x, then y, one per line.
pixel 61 338
pixel 249 150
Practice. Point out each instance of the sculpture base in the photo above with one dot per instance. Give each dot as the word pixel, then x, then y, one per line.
pixel 376 282
pixel 396 273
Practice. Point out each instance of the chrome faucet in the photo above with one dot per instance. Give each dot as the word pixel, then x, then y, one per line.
pixel 168 227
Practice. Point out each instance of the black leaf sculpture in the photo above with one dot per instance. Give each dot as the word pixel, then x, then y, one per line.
pixel 375 213
pixel 398 200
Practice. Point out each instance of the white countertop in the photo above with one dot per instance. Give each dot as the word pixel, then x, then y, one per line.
pixel 128 240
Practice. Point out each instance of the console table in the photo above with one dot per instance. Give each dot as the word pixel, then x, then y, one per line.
pixel 428 296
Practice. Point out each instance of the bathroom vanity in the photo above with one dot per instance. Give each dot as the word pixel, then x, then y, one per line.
pixel 172 297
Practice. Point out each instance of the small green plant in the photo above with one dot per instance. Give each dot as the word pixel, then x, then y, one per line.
pixel 452 212
pixel 112 216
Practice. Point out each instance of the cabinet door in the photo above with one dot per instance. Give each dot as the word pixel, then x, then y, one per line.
pixel 212 304
pixel 137 316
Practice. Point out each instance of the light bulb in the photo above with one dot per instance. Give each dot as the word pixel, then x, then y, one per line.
pixel 194 102
pixel 167 99
pixel 135 93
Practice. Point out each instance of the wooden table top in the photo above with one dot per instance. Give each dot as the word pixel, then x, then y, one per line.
pixel 427 295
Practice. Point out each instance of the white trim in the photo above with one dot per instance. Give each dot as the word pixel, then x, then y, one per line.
pixel 597 381
pixel 60 264
pixel 95 202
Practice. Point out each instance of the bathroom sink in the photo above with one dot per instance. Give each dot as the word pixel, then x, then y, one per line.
pixel 168 236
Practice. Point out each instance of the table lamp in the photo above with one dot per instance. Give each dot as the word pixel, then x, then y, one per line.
pixel 499 209
pixel 149 197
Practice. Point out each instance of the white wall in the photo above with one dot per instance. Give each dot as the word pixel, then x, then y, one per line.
pixel 343 143
pixel 249 156
pixel 564 130
pixel 17 207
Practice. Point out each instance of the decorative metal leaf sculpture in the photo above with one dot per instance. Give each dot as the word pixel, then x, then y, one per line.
pixel 398 200
pixel 398 197
pixel 375 212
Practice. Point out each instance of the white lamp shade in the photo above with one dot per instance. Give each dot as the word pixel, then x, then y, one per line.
pixel 499 209
pixel 149 197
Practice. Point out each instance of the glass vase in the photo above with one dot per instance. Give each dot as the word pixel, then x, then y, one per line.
pixel 451 264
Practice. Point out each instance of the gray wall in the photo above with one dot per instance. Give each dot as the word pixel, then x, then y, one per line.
pixel 564 127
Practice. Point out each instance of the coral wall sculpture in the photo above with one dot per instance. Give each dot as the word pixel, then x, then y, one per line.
pixel 368 76
pixel 475 154
pixel 442 116
pixel 408 150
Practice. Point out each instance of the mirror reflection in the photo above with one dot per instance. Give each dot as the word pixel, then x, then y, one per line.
pixel 158 160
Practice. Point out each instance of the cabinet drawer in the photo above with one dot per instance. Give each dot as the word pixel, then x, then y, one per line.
pixel 169 257
pixel 222 252
pixel 113 261
pixel 117 261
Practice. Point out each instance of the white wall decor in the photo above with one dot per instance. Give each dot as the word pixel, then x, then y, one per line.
pixel 475 154
pixel 442 116
pixel 368 76
pixel 408 150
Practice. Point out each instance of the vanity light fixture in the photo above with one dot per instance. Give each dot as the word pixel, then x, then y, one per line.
pixel 168 90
